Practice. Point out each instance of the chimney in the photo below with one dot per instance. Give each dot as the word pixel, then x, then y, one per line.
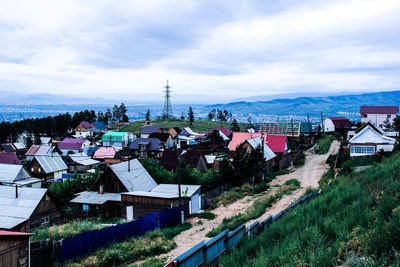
pixel 101 189
pixel 16 191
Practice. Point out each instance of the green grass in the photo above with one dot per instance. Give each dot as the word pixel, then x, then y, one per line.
pixel 293 182
pixel 325 143
pixel 204 215
pixel 200 126
pixel 253 212
pixel 134 249
pixel 354 222
pixel 72 228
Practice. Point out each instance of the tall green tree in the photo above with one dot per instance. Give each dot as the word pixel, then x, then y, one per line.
pixel 191 116
pixel 148 116
pixel 235 126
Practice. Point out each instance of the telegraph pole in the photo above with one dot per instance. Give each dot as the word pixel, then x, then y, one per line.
pixel 262 151
pixel 322 124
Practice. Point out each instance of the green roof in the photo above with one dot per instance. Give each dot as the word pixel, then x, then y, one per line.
pixel 306 127
pixel 114 136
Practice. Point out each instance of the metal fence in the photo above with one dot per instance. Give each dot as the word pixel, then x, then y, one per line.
pixel 205 253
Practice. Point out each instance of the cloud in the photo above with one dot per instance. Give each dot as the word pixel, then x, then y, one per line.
pixel 220 50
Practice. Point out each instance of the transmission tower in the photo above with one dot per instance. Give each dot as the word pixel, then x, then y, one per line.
pixel 167 111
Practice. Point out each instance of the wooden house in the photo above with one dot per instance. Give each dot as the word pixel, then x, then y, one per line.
pixel 147 147
pixel 13 174
pixel 165 138
pixel 147 130
pixel 36 150
pixel 80 162
pixel 104 197
pixel 193 158
pixel 108 155
pixel 14 249
pixel 25 209
pixel 48 167
pixel 84 129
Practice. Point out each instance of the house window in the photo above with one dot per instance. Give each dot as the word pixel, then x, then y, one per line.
pixel 32 169
pixel 45 220
pixel 367 150
pixel 38 169
pixel 389 116
pixel 364 115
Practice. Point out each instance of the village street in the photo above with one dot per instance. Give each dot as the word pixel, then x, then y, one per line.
pixel 308 175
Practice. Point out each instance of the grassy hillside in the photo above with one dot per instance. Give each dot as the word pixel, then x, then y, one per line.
pixel 354 222
pixel 199 126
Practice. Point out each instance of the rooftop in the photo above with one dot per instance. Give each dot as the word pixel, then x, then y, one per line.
pixel 379 109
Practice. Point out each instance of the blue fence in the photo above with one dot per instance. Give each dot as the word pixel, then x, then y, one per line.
pixel 208 253
pixel 85 243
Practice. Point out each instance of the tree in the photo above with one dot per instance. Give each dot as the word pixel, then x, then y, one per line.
pixel 148 116
pixel 182 116
pixel 108 115
pixel 235 126
pixel 221 116
pixel 191 116
pixel 211 115
pixel 396 124
pixel 215 137
pixel 100 116
pixel 122 112
pixel 115 113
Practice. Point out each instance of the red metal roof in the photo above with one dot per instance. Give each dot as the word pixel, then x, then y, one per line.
pixel 8 233
pixel 224 130
pixel 239 137
pixel 277 143
pixel 340 122
pixel 379 109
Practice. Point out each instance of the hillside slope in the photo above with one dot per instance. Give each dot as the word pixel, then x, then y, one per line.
pixel 355 221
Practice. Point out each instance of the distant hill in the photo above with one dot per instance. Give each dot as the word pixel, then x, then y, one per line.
pixel 331 105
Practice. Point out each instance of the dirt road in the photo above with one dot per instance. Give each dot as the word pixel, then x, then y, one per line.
pixel 308 175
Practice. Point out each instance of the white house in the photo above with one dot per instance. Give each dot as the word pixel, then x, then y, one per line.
pixel 378 114
pixel 368 140
pixel 332 124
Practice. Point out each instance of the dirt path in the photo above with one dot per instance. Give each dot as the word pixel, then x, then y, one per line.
pixel 309 175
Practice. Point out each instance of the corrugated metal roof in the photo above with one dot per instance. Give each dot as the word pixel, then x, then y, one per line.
pixel 19 146
pixel 149 129
pixel 71 143
pixel 379 109
pixel 93 197
pixel 10 173
pixel 114 136
pixel 105 153
pixel 83 159
pixel 45 140
pixel 14 211
pixel 155 144
pixel 137 179
pixel 37 150
pixel 167 191
pixel 256 141
pixel 9 158
pixel 51 163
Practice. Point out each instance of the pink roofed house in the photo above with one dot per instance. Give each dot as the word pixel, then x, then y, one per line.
pixel 107 154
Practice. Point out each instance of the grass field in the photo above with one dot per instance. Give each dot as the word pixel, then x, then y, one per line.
pixel 199 126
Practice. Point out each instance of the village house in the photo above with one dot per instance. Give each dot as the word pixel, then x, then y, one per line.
pixel 368 140
pixel 333 124
pixel 379 115
pixel 36 150
pixel 84 129
pixel 147 147
pixel 20 148
pixel 193 158
pixel 48 167
pixel 187 137
pixel 12 174
pixel 255 142
pixel 73 146
pixel 25 209
pixel 80 162
pixel 174 131
pixel 7 148
pixel 164 196
pixel 104 197
pixel 224 132
pixel 118 140
pixel 108 155
pixel 99 127
pixel 14 249
pixel 165 138
pixel 45 141
pixel 147 130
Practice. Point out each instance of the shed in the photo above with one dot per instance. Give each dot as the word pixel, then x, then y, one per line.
pixel 11 174
pixel 14 249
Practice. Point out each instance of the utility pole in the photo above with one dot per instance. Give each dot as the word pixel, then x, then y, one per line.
pixel 179 185
pixel 322 124
pixel 262 151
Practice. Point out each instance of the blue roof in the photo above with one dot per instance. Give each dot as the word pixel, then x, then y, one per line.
pixel 99 125
pixel 153 142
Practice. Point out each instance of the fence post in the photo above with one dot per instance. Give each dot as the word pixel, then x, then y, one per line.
pixel 204 248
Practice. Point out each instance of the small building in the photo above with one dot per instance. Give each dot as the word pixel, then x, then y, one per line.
pixel 48 167
pixel 25 209
pixel 36 150
pixel 20 148
pixel 99 127
pixel 9 158
pixel 14 249
pixel 80 162
pixel 84 129
pixel 147 130
pixel 147 147
pixel 118 140
pixel 73 146
pixel 12 174
pixel 104 197
pixel 108 155
pixel 368 140
pixel 164 196
pixel 193 158
pixel 174 131
pixel 333 124
pixel 239 138
pixel 165 138
pixel 8 148
pixel 45 141
pixel 378 114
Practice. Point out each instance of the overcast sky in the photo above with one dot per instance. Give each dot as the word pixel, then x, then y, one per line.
pixel 208 50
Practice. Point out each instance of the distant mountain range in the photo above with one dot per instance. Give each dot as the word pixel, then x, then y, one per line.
pixel 330 105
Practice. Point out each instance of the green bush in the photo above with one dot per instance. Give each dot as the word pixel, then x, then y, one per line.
pixel 293 182
pixel 204 215
pixel 325 143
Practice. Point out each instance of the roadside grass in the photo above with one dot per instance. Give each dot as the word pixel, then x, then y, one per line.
pixel 236 193
pixel 354 222
pixel 58 232
pixel 153 262
pixel 324 144
pixel 200 126
pixel 203 215
pixel 254 211
pixel 300 161
pixel 133 249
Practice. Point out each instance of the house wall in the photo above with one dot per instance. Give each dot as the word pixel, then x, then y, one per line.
pixel 202 165
pixel 377 119
pixel 46 213
pixel 14 251
pixel 328 125
pixel 36 170
pixel 110 181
